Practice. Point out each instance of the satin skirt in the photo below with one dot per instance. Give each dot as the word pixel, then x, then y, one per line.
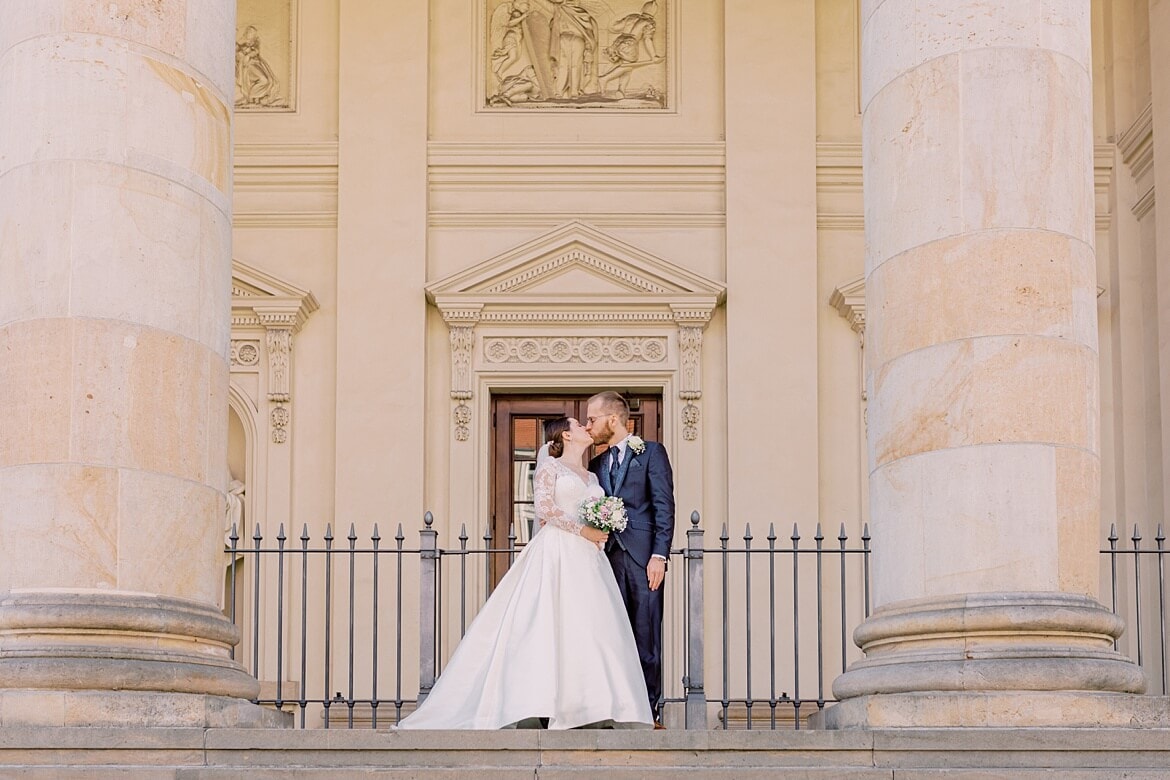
pixel 553 641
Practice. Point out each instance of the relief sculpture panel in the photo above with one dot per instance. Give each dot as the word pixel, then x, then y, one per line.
pixel 266 55
pixel 576 54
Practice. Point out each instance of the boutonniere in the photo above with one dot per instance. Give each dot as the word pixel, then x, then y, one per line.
pixel 636 445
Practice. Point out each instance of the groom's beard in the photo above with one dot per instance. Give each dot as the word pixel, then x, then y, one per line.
pixel 604 435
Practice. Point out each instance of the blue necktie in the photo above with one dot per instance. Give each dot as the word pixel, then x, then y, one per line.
pixel 613 467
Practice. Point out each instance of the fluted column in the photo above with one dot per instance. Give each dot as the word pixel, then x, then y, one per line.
pixel 982 338
pixel 115 269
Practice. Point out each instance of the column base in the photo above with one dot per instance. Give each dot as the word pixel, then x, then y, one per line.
pixel 133 709
pixel 997 709
pixel 990 642
pixel 121 659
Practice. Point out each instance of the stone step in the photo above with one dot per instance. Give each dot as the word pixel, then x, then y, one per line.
pixel 906 754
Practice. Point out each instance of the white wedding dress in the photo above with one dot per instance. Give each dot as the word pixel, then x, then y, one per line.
pixel 553 640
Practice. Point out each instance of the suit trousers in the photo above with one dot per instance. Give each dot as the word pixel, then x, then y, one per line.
pixel 644 606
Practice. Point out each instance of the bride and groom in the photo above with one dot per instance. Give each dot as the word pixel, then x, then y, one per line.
pixel 572 635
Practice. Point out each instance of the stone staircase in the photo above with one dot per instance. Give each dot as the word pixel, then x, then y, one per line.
pixel 907 754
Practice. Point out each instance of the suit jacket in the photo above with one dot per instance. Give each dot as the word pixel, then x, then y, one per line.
pixel 645 483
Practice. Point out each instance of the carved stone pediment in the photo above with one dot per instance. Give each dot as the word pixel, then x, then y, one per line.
pixel 266 312
pixel 575 273
pixel 544 306
pixel 259 298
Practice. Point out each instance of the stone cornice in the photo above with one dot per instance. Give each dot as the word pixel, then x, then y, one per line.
pixel 522 154
pixel 259 298
pixel 1136 142
pixel 285 167
pixel 849 301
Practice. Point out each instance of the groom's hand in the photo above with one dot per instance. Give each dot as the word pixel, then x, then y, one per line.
pixel 655 572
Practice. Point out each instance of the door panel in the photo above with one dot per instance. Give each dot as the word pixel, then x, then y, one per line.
pixel 517 435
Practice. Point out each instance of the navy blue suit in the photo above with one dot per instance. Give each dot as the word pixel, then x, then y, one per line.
pixel 645 483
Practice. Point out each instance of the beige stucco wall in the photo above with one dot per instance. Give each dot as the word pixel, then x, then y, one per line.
pixel 387 179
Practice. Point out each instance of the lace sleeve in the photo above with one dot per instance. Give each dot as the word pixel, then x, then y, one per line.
pixel 547 511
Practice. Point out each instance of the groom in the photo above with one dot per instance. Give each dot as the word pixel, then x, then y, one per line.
pixel 639 473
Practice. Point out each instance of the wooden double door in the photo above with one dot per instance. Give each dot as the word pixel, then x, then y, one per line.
pixel 517 434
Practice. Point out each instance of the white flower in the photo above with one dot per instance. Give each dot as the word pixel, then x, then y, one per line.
pixel 637 446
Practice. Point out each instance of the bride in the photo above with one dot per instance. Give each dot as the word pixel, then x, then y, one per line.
pixel 553 642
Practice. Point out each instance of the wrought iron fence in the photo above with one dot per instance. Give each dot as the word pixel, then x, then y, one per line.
pixel 1135 588
pixel 353 632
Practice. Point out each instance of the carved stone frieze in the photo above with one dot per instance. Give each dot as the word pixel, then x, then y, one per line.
pixel 575 349
pixel 576 54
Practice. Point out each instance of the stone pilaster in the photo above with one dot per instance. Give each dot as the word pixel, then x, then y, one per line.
pixel 115 269
pixel 982 360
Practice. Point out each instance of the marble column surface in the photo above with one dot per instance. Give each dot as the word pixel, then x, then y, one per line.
pixel 981 337
pixel 115 276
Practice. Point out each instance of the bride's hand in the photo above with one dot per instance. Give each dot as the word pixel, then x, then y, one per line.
pixel 595 535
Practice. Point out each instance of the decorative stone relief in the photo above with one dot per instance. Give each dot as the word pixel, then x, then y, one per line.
pixel 245 353
pixel 573 349
pixel 279 418
pixel 461 331
pixel 265 55
pixel 279 350
pixel 576 54
pixel 690 416
pixel 691 324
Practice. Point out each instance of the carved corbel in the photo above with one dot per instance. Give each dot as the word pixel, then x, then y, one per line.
pixel 691 324
pixel 461 326
pixel 279 324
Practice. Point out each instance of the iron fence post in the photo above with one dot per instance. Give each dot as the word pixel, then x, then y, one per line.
pixel 427 594
pixel 696 697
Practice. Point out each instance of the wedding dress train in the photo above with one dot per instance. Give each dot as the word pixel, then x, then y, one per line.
pixel 553 641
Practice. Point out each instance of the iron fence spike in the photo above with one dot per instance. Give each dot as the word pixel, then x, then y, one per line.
pixel 795 533
pixel 772 531
pixel 842 536
pixel 352 533
pixel 747 532
pixel 400 536
pixel 305 533
pixel 256 532
pixel 329 532
pixel 1113 537
pixel 280 537
pixel 375 537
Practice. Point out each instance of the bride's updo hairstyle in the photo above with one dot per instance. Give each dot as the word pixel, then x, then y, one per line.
pixel 554 434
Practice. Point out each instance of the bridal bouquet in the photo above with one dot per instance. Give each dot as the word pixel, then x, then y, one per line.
pixel 607 513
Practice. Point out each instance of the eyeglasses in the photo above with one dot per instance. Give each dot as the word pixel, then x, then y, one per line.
pixel 591 420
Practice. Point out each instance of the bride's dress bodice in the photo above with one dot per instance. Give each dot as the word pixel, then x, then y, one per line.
pixel 559 492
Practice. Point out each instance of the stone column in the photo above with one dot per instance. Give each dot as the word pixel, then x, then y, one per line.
pixel 115 269
pixel 982 338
